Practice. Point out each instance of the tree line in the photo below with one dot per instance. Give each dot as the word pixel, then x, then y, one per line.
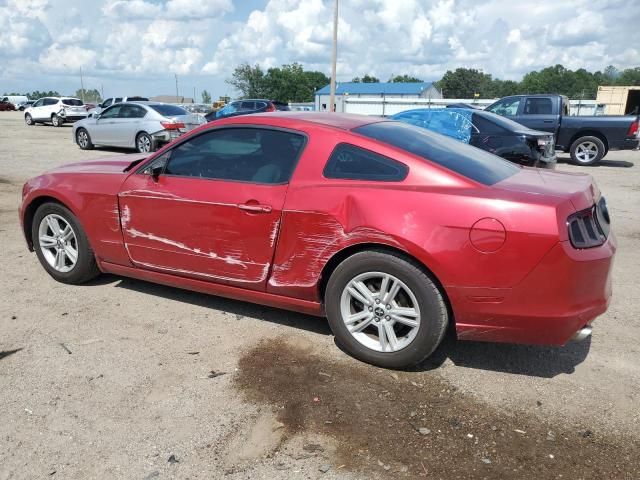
pixel 292 83
pixel 468 82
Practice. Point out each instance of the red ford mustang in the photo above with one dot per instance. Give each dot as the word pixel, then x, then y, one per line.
pixel 391 231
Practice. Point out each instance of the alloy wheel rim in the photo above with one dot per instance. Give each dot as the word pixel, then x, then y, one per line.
pixel 58 243
pixel 82 139
pixel 144 144
pixel 54 120
pixel 586 152
pixel 380 311
pixel 28 119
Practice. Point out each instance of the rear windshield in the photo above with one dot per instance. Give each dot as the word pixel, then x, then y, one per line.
pixel 137 99
pixel 473 163
pixel 169 110
pixel 505 123
pixel 72 101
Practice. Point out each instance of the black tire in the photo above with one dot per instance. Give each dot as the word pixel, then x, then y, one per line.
pixel 56 121
pixel 83 139
pixel 143 139
pixel 587 150
pixel 85 267
pixel 28 119
pixel 433 310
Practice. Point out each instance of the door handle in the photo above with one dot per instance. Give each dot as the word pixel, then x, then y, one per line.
pixel 548 121
pixel 255 208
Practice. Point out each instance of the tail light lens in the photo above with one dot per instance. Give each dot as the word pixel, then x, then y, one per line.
pixel 590 228
pixel 633 129
pixel 172 125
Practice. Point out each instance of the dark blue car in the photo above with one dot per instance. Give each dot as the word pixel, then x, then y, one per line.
pixel 487 131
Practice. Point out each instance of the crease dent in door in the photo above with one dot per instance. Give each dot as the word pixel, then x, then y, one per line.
pixel 231 256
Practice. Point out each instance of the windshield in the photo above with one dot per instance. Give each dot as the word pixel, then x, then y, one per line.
pixel 169 110
pixel 459 157
pixel 72 101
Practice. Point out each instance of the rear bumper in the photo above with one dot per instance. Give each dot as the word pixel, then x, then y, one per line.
pixel 626 144
pixel 73 118
pixel 567 290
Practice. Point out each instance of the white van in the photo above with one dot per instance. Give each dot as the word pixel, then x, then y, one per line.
pixel 15 99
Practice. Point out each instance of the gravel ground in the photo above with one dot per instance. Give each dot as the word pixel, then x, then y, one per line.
pixel 125 379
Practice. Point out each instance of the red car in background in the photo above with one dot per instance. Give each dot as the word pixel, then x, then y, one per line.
pixel 391 231
pixel 7 107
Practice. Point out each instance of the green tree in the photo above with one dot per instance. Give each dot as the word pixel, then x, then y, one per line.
pixel 465 83
pixel 629 77
pixel 206 97
pixel 249 81
pixel 89 95
pixel 366 79
pixel 405 79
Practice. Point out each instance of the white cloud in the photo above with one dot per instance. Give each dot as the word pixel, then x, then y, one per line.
pixel 135 41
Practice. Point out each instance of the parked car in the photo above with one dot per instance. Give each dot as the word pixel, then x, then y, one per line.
pixel 391 231
pixel 24 105
pixel 487 131
pixel 247 106
pixel 7 106
pixel 15 99
pixel 587 139
pixel 56 110
pixel 113 100
pixel 144 126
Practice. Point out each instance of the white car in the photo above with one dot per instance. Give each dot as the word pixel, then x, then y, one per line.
pixel 55 110
pixel 144 126
pixel 113 100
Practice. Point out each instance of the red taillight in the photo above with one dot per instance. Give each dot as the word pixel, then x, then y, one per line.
pixel 633 129
pixel 271 108
pixel 172 125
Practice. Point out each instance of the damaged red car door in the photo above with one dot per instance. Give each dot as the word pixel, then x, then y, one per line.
pixel 210 206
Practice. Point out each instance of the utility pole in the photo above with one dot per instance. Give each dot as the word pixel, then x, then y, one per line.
pixel 102 91
pixel 176 75
pixel 194 94
pixel 334 58
pixel 81 85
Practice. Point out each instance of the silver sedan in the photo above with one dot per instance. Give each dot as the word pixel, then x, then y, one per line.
pixel 144 126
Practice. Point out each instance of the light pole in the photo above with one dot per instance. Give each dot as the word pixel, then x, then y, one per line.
pixel 334 58
pixel 81 85
pixel 176 75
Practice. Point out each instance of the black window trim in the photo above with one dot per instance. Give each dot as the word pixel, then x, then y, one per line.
pixel 406 167
pixel 305 141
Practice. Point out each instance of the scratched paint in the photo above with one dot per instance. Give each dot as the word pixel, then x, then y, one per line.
pixel 150 236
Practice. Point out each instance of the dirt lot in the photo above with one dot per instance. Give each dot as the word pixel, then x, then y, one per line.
pixel 124 379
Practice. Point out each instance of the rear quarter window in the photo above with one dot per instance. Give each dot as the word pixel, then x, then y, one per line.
pixel 468 161
pixel 354 163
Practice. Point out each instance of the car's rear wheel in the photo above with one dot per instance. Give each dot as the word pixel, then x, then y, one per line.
pixel 56 121
pixel 83 139
pixel 587 150
pixel 28 119
pixel 61 245
pixel 385 310
pixel 144 143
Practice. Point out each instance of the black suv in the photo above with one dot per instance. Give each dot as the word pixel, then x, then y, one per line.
pixel 244 107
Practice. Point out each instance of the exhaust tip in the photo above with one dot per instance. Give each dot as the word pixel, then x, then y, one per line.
pixel 582 334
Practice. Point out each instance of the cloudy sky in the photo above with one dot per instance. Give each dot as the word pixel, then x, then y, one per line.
pixel 134 47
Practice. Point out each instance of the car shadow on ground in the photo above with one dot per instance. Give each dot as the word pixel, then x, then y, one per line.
pixel 231 307
pixel 121 150
pixel 530 360
pixel 602 163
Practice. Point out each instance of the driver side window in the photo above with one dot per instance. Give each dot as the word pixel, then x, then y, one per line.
pixel 507 107
pixel 238 154
pixel 111 112
pixel 39 103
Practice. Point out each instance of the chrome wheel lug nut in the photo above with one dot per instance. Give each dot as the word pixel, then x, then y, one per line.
pixel 377 300
pixel 387 317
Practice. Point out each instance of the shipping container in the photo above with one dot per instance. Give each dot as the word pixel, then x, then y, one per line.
pixel 619 100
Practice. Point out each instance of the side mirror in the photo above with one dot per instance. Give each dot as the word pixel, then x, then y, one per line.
pixel 156 171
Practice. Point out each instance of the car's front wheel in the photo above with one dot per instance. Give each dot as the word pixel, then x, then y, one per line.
pixel 62 245
pixel 28 119
pixel 385 310
pixel 56 121
pixel 144 143
pixel 83 139
pixel 587 151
